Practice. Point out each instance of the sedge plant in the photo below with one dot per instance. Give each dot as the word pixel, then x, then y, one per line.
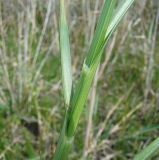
pixel 111 15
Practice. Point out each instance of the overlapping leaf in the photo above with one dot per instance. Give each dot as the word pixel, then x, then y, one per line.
pixel 108 21
pixel 65 54
pixel 90 66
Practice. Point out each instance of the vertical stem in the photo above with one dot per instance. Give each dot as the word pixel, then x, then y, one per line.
pixel 64 143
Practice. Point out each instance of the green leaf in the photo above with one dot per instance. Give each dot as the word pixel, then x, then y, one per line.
pixel 121 10
pixel 99 36
pixel 90 66
pixel 65 54
pixel 105 27
pixel 148 151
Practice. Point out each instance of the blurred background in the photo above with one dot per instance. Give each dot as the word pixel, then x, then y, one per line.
pixel 122 113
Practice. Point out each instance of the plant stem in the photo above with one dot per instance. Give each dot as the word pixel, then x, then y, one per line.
pixel 64 144
pixel 105 27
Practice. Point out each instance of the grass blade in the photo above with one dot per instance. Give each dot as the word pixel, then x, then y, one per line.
pixel 90 66
pixel 148 151
pixel 65 54
pixel 121 10
pixel 105 28
pixel 102 26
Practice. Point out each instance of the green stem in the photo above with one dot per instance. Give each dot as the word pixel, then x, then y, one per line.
pixel 64 144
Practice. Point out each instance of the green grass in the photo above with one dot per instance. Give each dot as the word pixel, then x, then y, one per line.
pixel 42 99
pixel 149 151
pixel 106 25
